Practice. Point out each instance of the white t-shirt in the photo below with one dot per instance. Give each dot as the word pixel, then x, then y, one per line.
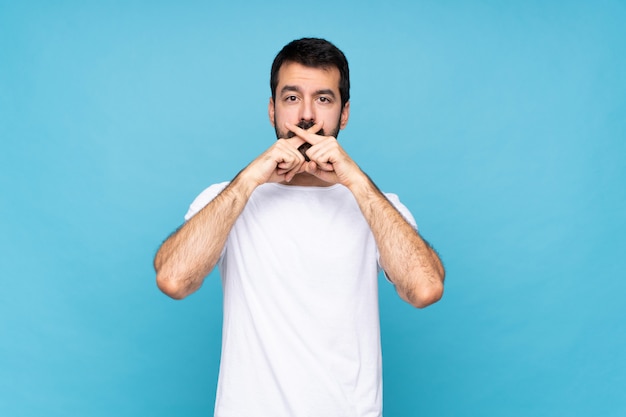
pixel 301 334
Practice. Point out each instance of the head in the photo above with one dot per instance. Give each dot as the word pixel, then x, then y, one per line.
pixel 313 53
pixel 309 68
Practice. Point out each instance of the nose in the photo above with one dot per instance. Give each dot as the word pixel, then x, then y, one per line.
pixel 307 111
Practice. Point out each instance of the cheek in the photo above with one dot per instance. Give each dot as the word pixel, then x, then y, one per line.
pixel 285 114
pixel 281 116
pixel 333 120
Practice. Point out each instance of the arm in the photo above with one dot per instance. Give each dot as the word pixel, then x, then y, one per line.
pixel 409 262
pixel 190 254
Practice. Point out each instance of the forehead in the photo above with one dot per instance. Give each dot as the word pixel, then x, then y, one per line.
pixel 293 73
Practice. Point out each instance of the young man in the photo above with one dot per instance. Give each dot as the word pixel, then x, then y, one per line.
pixel 300 235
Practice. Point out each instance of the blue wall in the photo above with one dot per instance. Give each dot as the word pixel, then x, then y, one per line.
pixel 502 126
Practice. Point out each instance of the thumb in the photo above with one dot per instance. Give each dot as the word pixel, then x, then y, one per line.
pixel 310 167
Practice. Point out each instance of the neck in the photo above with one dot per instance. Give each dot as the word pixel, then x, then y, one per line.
pixel 307 180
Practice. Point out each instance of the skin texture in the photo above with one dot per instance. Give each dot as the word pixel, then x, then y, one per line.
pixel 309 95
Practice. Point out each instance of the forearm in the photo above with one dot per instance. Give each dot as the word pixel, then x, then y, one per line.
pixel 189 254
pixel 409 262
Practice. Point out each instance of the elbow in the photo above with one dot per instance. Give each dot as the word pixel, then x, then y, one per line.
pixel 423 297
pixel 171 288
pixel 168 282
pixel 433 295
pixel 177 283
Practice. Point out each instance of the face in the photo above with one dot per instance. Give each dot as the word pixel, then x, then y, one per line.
pixel 305 96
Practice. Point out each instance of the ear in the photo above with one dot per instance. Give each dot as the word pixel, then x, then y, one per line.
pixel 270 112
pixel 345 115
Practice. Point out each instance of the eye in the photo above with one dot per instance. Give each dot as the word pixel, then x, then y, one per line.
pixel 291 98
pixel 325 100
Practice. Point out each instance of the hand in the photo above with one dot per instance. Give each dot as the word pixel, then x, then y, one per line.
pixel 281 162
pixel 328 160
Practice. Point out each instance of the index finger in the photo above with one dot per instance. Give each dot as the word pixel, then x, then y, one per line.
pixel 310 135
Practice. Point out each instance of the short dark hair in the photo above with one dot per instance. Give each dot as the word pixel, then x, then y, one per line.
pixel 314 53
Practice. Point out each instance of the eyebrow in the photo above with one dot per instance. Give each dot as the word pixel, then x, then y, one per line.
pixel 296 89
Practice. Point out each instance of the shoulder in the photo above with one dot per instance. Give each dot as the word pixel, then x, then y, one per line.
pixel 205 198
pixel 404 211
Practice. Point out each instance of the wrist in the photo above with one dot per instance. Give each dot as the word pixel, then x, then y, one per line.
pixel 245 183
pixel 361 184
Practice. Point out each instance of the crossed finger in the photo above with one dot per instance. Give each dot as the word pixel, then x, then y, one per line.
pixel 309 135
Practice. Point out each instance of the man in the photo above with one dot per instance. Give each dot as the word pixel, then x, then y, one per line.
pixel 299 236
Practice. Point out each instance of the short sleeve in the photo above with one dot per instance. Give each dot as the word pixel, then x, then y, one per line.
pixel 204 198
pixel 395 201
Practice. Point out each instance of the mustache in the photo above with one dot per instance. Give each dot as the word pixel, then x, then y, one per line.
pixel 305 124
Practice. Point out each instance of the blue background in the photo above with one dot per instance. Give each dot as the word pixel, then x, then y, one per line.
pixel 502 126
